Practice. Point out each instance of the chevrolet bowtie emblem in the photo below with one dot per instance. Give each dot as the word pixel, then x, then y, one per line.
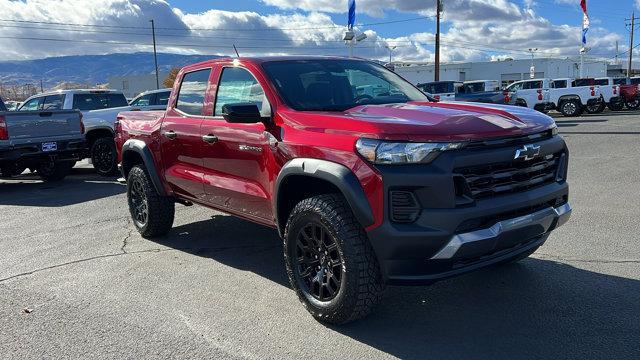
pixel 528 152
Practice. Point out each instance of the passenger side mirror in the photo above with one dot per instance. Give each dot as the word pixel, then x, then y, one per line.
pixel 241 113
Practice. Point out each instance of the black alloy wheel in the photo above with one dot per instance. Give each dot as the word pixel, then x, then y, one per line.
pixel 103 156
pixel 138 203
pixel 319 264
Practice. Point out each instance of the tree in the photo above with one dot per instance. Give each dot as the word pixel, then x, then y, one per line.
pixel 171 78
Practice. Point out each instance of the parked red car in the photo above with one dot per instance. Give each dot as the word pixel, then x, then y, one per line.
pixel 630 89
pixel 365 190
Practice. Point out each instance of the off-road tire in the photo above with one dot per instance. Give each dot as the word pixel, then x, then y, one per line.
pixel 361 285
pixel 632 105
pixel 570 108
pixel 595 109
pixel 160 210
pixel 104 157
pixel 616 106
pixel 54 171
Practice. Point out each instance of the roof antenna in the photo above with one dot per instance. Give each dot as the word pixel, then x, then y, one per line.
pixel 234 48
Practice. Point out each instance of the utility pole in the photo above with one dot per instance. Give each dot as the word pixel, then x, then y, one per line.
pixel 633 24
pixel 155 54
pixel 41 86
pixel 532 69
pixel 436 71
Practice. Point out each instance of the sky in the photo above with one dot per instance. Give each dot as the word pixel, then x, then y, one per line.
pixel 472 30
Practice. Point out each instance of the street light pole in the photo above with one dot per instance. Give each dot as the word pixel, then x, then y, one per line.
pixel 155 54
pixel 532 70
pixel 391 48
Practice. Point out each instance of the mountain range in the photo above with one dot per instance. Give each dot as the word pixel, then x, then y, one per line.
pixel 89 69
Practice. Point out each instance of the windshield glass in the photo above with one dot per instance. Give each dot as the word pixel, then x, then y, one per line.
pixel 438 87
pixel 95 101
pixel 338 85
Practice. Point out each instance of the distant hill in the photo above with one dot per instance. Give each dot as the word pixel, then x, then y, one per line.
pixel 89 69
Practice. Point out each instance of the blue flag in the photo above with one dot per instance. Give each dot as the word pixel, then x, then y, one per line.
pixel 352 14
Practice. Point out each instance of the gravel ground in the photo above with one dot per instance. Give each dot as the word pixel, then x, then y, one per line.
pixel 76 281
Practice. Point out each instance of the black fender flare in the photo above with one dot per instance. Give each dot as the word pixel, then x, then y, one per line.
pixel 338 175
pixel 140 147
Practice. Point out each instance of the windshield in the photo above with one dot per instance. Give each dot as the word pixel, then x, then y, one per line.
pixel 338 85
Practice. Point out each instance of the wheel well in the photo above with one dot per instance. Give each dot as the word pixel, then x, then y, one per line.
pixel 296 188
pixel 565 98
pixel 129 160
pixel 521 102
pixel 94 135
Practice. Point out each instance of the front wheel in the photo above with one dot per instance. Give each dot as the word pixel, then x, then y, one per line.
pixel 104 157
pixel 616 106
pixel 152 214
pixel 570 108
pixel 330 262
pixel 633 104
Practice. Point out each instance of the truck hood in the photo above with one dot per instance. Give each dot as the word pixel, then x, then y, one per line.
pixel 420 121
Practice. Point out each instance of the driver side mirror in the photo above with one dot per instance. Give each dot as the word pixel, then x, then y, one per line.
pixel 241 113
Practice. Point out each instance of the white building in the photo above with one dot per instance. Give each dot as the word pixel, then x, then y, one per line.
pixel 506 71
pixel 132 85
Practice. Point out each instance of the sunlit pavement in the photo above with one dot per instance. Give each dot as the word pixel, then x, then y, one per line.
pixel 76 281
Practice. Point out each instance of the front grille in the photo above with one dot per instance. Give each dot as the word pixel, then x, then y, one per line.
pixel 509 141
pixel 509 177
pixel 404 206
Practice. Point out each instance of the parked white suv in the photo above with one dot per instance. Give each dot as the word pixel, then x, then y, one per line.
pixel 532 93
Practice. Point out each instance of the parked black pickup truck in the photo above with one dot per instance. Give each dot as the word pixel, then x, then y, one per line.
pixel 49 142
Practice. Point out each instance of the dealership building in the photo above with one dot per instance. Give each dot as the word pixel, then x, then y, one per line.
pixel 507 71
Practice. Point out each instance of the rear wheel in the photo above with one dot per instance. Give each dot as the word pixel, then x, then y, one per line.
pixel 570 108
pixel 596 108
pixel 104 157
pixel 54 171
pixel 151 213
pixel 330 263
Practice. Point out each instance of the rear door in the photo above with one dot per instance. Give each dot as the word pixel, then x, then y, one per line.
pixel 180 138
pixel 236 178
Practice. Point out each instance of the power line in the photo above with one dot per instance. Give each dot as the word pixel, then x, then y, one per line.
pixel 208 29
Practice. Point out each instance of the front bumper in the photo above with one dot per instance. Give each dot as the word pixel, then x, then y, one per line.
pixel 453 234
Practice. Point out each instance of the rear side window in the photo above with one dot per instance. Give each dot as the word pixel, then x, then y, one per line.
pixel 95 101
pixel 32 105
pixel 620 81
pixel 53 102
pixel 471 88
pixel 237 85
pixel 532 85
pixel 635 81
pixel 162 98
pixel 582 82
pixel 145 100
pixel 602 82
pixel 192 92
pixel 560 84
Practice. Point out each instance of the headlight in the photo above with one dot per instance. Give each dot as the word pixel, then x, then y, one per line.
pixel 384 152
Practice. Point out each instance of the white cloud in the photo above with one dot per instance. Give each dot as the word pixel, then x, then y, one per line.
pixel 474 27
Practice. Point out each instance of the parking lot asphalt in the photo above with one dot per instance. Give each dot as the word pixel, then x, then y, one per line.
pixel 77 281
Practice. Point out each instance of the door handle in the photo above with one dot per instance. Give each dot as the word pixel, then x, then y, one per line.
pixel 210 138
pixel 170 134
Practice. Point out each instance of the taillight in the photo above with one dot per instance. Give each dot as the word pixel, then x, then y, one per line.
pixel 117 127
pixel 593 91
pixel 81 124
pixel 507 97
pixel 539 94
pixel 4 133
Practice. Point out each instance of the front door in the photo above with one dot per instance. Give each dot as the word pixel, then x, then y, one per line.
pixel 237 156
pixel 180 137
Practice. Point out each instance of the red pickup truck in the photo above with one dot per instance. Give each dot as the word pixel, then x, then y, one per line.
pixel 365 191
